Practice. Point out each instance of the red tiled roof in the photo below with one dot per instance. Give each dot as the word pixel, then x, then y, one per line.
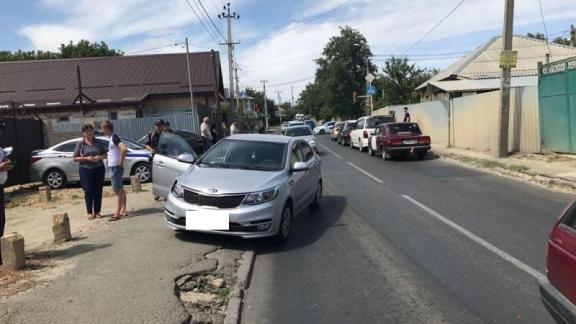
pixel 113 79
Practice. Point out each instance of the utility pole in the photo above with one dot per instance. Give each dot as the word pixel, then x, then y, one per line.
pixel 279 102
pixel 229 16
pixel 195 117
pixel 572 35
pixel 265 104
pixel 292 90
pixel 236 68
pixel 502 150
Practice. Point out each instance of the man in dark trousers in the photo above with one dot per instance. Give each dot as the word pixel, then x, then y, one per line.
pixel 5 166
pixel 154 136
pixel 406 115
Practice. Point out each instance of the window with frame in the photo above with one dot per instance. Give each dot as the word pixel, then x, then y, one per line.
pixel 570 219
pixel 113 115
pixel 296 155
pixel 307 152
pixel 172 146
pixel 66 147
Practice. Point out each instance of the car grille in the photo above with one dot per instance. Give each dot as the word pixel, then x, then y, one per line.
pixel 213 201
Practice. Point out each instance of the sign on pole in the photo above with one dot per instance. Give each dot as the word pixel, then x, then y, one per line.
pixel 370 78
pixel 508 59
pixel 371 90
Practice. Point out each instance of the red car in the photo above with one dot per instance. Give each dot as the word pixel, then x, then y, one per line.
pixel 398 140
pixel 558 289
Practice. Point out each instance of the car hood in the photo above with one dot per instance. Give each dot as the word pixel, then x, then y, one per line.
pixel 229 181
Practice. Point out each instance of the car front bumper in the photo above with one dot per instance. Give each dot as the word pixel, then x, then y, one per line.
pixel 559 306
pixel 244 220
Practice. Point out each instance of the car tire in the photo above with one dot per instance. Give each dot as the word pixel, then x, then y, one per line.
pixel 142 170
pixel 55 179
pixel 285 226
pixel 315 204
pixel 322 132
pixel 370 151
pixel 385 155
pixel 422 155
pixel 360 148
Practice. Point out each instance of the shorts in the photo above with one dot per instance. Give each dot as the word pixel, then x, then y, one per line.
pixel 116 175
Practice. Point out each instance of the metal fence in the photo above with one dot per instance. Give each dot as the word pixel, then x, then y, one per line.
pixel 135 128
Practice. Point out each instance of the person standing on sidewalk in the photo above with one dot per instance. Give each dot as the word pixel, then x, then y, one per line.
pixel 116 156
pixel 407 117
pixel 206 134
pixel 154 136
pixel 5 166
pixel 91 152
pixel 233 128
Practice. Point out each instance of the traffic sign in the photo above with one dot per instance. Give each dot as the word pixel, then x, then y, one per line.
pixel 371 90
pixel 370 78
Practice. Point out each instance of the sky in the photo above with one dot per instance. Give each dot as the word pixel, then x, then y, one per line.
pixel 279 40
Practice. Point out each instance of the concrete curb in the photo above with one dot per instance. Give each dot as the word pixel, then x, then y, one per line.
pixel 234 311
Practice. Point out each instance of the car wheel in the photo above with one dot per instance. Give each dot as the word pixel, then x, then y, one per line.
pixel 285 226
pixel 385 155
pixel 317 198
pixel 55 179
pixel 370 151
pixel 360 148
pixel 422 155
pixel 142 171
pixel 322 132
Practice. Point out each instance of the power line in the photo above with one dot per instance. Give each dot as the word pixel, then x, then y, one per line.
pixel 210 32
pixel 398 36
pixel 545 27
pixel 435 26
pixel 398 18
pixel 154 48
pixel 290 82
pixel 210 19
pixel 424 55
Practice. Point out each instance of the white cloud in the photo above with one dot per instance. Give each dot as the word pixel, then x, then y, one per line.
pixel 49 37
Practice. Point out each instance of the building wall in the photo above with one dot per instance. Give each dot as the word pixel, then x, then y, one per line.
pixel 175 104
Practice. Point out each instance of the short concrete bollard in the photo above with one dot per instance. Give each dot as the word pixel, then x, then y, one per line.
pixel 136 184
pixel 44 194
pixel 12 246
pixel 61 228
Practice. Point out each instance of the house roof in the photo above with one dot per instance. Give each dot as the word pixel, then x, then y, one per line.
pixel 106 79
pixel 484 62
pixel 482 84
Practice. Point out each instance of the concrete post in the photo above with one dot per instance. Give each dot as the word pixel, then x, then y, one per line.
pixel 61 228
pixel 135 183
pixel 44 194
pixel 12 247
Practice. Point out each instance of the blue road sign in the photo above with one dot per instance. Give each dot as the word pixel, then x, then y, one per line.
pixel 371 90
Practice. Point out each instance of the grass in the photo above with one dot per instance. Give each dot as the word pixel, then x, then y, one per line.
pixel 488 164
pixel 519 168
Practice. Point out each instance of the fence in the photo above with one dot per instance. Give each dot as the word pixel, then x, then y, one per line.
pixel 471 122
pixel 134 128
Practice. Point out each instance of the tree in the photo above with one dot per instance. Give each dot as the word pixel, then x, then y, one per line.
pixel 399 79
pixel 71 50
pixel 539 36
pixel 568 41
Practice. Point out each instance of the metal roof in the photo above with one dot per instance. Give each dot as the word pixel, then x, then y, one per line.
pixel 483 84
pixel 484 62
pixel 106 79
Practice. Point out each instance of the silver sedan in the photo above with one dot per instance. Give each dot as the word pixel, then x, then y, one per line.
pixel 56 168
pixel 248 186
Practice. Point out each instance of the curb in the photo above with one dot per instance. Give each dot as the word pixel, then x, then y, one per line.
pixel 236 296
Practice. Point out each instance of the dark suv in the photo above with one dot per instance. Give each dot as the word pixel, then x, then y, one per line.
pixel 344 133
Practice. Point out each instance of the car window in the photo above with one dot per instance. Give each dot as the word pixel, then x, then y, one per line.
pixel 298 131
pixel 296 155
pixel 375 121
pixel 360 124
pixel 377 131
pixel 570 219
pixel 66 147
pixel 172 145
pixel 404 128
pixel 307 152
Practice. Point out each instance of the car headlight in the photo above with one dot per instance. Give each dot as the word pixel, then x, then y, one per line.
pixel 177 190
pixel 311 142
pixel 261 197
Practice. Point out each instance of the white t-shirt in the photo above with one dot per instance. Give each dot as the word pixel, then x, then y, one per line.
pixel 3 174
pixel 114 151
pixel 205 131
pixel 233 130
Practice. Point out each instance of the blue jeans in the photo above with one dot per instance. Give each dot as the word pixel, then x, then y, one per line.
pixel 92 181
pixel 116 175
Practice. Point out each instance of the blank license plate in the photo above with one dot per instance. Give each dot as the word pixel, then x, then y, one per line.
pixel 207 220
pixel 410 142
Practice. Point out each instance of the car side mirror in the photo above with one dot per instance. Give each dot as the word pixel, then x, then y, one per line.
pixel 186 158
pixel 300 167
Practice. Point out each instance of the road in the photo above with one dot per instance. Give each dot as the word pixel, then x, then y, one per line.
pixel 408 242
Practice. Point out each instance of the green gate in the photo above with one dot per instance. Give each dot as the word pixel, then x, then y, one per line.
pixel 557 92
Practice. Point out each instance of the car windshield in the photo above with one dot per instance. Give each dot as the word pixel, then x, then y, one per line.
pixel 404 128
pixel 245 154
pixel 373 122
pixel 299 131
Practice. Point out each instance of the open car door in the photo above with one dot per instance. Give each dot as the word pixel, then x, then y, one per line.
pixel 165 164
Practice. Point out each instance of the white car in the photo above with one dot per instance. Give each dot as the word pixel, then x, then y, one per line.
pixel 324 129
pixel 304 133
pixel 365 127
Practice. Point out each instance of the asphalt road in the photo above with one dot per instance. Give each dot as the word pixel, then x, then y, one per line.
pixel 409 242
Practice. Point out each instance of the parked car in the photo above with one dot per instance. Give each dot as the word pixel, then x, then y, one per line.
pixel 399 140
pixel 193 139
pixel 275 178
pixel 295 123
pixel 558 288
pixel 324 129
pixel 310 124
pixel 304 133
pixel 335 131
pixel 365 126
pixel 55 166
pixel 344 133
pixel 283 127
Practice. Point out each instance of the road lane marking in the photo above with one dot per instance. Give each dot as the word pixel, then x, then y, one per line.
pixel 334 153
pixel 519 264
pixel 366 173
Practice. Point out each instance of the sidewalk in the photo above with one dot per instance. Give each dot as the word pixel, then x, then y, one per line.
pixel 552 170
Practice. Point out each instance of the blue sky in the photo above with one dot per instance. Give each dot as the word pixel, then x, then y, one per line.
pixel 279 39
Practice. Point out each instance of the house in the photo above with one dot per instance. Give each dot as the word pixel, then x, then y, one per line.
pixel 113 88
pixel 479 71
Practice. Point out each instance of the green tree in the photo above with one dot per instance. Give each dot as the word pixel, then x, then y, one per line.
pixel 71 50
pixel 539 36
pixel 399 79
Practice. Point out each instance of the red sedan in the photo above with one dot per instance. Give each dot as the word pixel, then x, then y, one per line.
pixel 558 289
pixel 398 140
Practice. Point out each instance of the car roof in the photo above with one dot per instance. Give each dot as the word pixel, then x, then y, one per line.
pixel 261 138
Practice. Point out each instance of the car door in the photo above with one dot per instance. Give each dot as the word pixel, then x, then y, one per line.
pixel 64 160
pixel 373 140
pixel 312 175
pixel 562 256
pixel 165 164
pixel 356 133
pixel 297 180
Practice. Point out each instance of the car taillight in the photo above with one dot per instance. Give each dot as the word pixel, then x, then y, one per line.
pixel 365 134
pixel 424 140
pixel 395 142
pixel 35 159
